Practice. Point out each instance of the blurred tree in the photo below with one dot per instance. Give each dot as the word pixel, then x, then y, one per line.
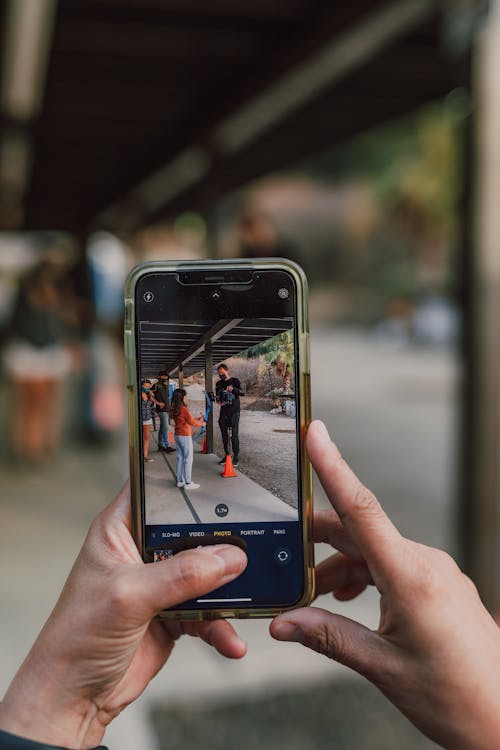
pixel 278 352
pixel 413 169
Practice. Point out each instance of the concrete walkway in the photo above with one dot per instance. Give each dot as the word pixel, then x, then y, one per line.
pixel 247 501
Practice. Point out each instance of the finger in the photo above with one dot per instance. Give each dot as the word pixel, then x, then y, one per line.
pixel 109 539
pixel 328 529
pixel 340 571
pixel 185 576
pixel 343 640
pixel 359 511
pixel 220 634
pixel 119 510
pixel 351 591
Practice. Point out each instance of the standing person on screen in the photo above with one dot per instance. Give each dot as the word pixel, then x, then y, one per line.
pixel 148 404
pixel 184 421
pixel 227 392
pixel 162 393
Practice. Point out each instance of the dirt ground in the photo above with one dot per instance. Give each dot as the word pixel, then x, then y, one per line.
pixel 266 455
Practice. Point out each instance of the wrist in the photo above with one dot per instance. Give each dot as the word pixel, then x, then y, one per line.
pixel 47 713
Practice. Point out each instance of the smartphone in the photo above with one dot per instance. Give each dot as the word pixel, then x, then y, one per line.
pixel 217 358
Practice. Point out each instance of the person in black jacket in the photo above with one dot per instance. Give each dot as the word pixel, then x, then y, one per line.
pixel 163 395
pixel 227 393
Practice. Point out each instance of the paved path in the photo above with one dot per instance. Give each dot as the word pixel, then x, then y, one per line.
pixel 247 501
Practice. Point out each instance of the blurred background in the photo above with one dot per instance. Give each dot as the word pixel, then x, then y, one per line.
pixel 360 139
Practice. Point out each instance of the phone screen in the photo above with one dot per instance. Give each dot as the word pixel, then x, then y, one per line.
pixel 218 426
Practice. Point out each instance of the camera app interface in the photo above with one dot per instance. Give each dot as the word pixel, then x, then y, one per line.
pixel 218 412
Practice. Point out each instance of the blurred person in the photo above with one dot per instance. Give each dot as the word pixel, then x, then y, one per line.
pixel 227 393
pixel 148 403
pixel 163 395
pixel 259 237
pixel 184 422
pixel 37 360
pixel 435 654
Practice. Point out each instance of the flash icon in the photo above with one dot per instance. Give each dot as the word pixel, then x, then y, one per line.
pixel 283 293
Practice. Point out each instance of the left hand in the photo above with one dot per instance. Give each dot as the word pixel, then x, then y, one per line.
pixel 101 646
pixel 436 651
pixel 229 388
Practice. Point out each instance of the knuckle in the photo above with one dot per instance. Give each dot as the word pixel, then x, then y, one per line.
pixel 469 582
pixel 364 502
pixel 444 560
pixel 121 594
pixel 327 643
pixel 422 579
pixel 97 527
pixel 427 583
pixel 191 573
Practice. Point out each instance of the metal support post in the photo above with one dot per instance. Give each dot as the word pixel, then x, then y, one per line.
pixel 209 386
pixel 480 518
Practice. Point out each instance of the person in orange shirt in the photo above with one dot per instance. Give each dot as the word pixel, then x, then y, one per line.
pixel 184 421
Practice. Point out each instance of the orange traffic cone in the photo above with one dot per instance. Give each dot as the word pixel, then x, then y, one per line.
pixel 204 446
pixel 170 438
pixel 229 468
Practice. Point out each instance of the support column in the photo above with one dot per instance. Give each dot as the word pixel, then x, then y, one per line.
pixel 209 386
pixel 181 377
pixel 481 454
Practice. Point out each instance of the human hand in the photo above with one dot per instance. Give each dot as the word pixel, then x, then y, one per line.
pixel 100 646
pixel 436 652
pixel 229 388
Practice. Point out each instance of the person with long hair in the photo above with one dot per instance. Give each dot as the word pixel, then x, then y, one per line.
pixel 148 403
pixel 184 422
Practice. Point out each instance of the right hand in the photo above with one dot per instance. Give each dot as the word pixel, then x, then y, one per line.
pixel 436 652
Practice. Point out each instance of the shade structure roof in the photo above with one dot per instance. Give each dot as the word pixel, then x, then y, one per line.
pixel 149 106
pixel 167 345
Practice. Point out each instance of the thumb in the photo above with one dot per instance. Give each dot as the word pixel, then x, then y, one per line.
pixel 337 637
pixel 185 576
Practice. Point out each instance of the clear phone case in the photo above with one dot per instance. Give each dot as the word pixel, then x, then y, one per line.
pixel 303 393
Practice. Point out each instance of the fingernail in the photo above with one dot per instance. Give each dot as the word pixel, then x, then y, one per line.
pixel 287 631
pixel 321 430
pixel 233 557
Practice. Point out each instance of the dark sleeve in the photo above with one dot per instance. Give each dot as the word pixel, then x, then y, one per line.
pixel 218 388
pixel 13 742
pixel 237 387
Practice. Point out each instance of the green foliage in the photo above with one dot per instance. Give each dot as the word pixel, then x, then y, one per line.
pixel 277 351
pixel 412 169
pixel 416 158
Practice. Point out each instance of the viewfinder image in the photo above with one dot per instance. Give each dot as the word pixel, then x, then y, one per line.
pixel 219 427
